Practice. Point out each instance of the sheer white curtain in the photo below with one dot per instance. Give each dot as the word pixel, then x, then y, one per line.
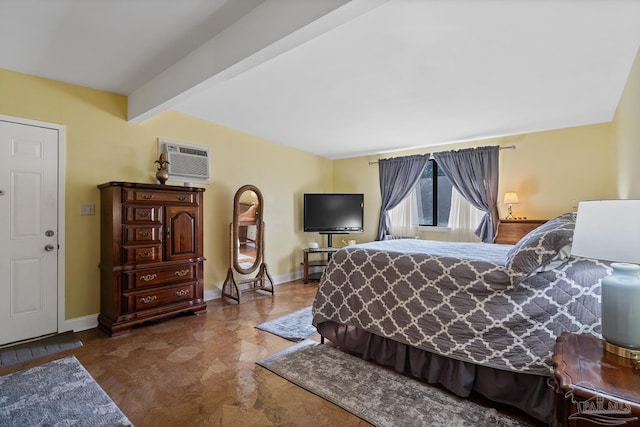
pixel 402 217
pixel 463 219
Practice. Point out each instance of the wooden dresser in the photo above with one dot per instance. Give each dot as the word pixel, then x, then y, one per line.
pixel 151 263
pixel 510 231
pixel 594 387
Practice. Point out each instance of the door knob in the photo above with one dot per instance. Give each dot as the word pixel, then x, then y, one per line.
pixel 49 248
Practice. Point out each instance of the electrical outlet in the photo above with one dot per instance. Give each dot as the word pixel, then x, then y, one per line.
pixel 88 209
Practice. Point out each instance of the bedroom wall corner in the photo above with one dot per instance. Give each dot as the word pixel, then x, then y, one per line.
pixel 626 134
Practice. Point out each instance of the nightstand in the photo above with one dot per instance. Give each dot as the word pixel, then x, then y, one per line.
pixel 510 231
pixel 594 387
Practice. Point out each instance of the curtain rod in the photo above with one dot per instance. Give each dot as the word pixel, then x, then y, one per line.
pixel 506 147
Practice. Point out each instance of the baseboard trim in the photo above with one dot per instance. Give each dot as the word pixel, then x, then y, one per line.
pixel 90 321
pixel 277 280
pixel 78 324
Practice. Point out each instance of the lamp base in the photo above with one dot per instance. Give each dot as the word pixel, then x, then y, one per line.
pixel 622 351
pixel 510 212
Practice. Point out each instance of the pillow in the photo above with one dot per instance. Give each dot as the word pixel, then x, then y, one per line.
pixel 556 261
pixel 546 245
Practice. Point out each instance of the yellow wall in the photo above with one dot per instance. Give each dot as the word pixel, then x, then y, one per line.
pixel 102 146
pixel 626 130
pixel 548 170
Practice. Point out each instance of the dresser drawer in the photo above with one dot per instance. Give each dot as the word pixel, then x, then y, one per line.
pixel 173 197
pixel 142 254
pixel 141 235
pixel 146 278
pixel 142 214
pixel 163 296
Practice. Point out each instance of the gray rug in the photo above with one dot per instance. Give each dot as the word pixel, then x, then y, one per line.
pixel 377 395
pixel 58 393
pixel 42 347
pixel 294 327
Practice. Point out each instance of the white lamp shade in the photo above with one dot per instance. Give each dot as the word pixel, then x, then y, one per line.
pixel 608 230
pixel 510 198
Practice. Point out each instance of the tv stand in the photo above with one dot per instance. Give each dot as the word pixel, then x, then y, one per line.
pixel 317 263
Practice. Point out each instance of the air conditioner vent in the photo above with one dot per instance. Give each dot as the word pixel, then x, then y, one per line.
pixel 188 163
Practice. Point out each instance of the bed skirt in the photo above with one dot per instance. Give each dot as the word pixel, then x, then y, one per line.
pixel 527 392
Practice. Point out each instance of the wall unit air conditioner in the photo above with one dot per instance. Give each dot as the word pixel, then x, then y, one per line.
pixel 188 163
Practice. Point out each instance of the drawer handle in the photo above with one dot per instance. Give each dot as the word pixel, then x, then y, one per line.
pixel 182 273
pixel 147 196
pixel 182 293
pixel 181 198
pixel 144 213
pixel 144 234
pixel 148 277
pixel 149 299
pixel 145 254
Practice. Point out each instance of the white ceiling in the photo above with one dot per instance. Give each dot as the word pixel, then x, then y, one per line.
pixel 339 78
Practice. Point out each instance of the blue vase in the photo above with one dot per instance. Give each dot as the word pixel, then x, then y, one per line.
pixel 621 306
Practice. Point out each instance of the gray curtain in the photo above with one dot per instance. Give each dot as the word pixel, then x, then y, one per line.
pixel 474 173
pixel 398 176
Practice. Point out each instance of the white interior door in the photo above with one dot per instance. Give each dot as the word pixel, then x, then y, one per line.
pixel 28 231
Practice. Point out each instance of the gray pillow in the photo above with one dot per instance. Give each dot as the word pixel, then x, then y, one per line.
pixel 546 244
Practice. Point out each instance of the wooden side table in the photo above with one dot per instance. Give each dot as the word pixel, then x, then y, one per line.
pixel 510 231
pixel 594 387
pixel 319 262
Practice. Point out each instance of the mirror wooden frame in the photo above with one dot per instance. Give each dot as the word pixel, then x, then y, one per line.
pixel 262 280
pixel 254 219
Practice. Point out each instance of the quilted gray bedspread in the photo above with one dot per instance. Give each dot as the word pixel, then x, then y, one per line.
pixel 459 300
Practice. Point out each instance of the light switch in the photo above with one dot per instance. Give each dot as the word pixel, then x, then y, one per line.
pixel 88 209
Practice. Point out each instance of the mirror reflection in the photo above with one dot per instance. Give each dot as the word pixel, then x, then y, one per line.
pixel 248 237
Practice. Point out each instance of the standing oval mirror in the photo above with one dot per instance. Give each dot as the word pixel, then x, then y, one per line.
pixel 246 245
pixel 247 229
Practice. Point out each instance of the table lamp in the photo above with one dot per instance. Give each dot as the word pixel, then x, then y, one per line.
pixel 510 199
pixel 609 230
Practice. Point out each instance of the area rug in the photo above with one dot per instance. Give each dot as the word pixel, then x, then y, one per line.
pixel 58 393
pixel 294 327
pixel 37 348
pixel 378 395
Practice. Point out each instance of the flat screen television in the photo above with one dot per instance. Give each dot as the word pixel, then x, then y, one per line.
pixel 333 213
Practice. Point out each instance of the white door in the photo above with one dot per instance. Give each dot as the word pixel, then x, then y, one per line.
pixel 28 231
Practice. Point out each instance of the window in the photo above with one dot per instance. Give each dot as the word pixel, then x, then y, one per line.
pixel 433 196
pixel 451 209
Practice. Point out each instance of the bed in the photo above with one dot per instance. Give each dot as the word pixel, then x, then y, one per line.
pixel 473 317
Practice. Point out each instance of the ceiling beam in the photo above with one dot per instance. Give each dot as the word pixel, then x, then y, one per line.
pixel 270 29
